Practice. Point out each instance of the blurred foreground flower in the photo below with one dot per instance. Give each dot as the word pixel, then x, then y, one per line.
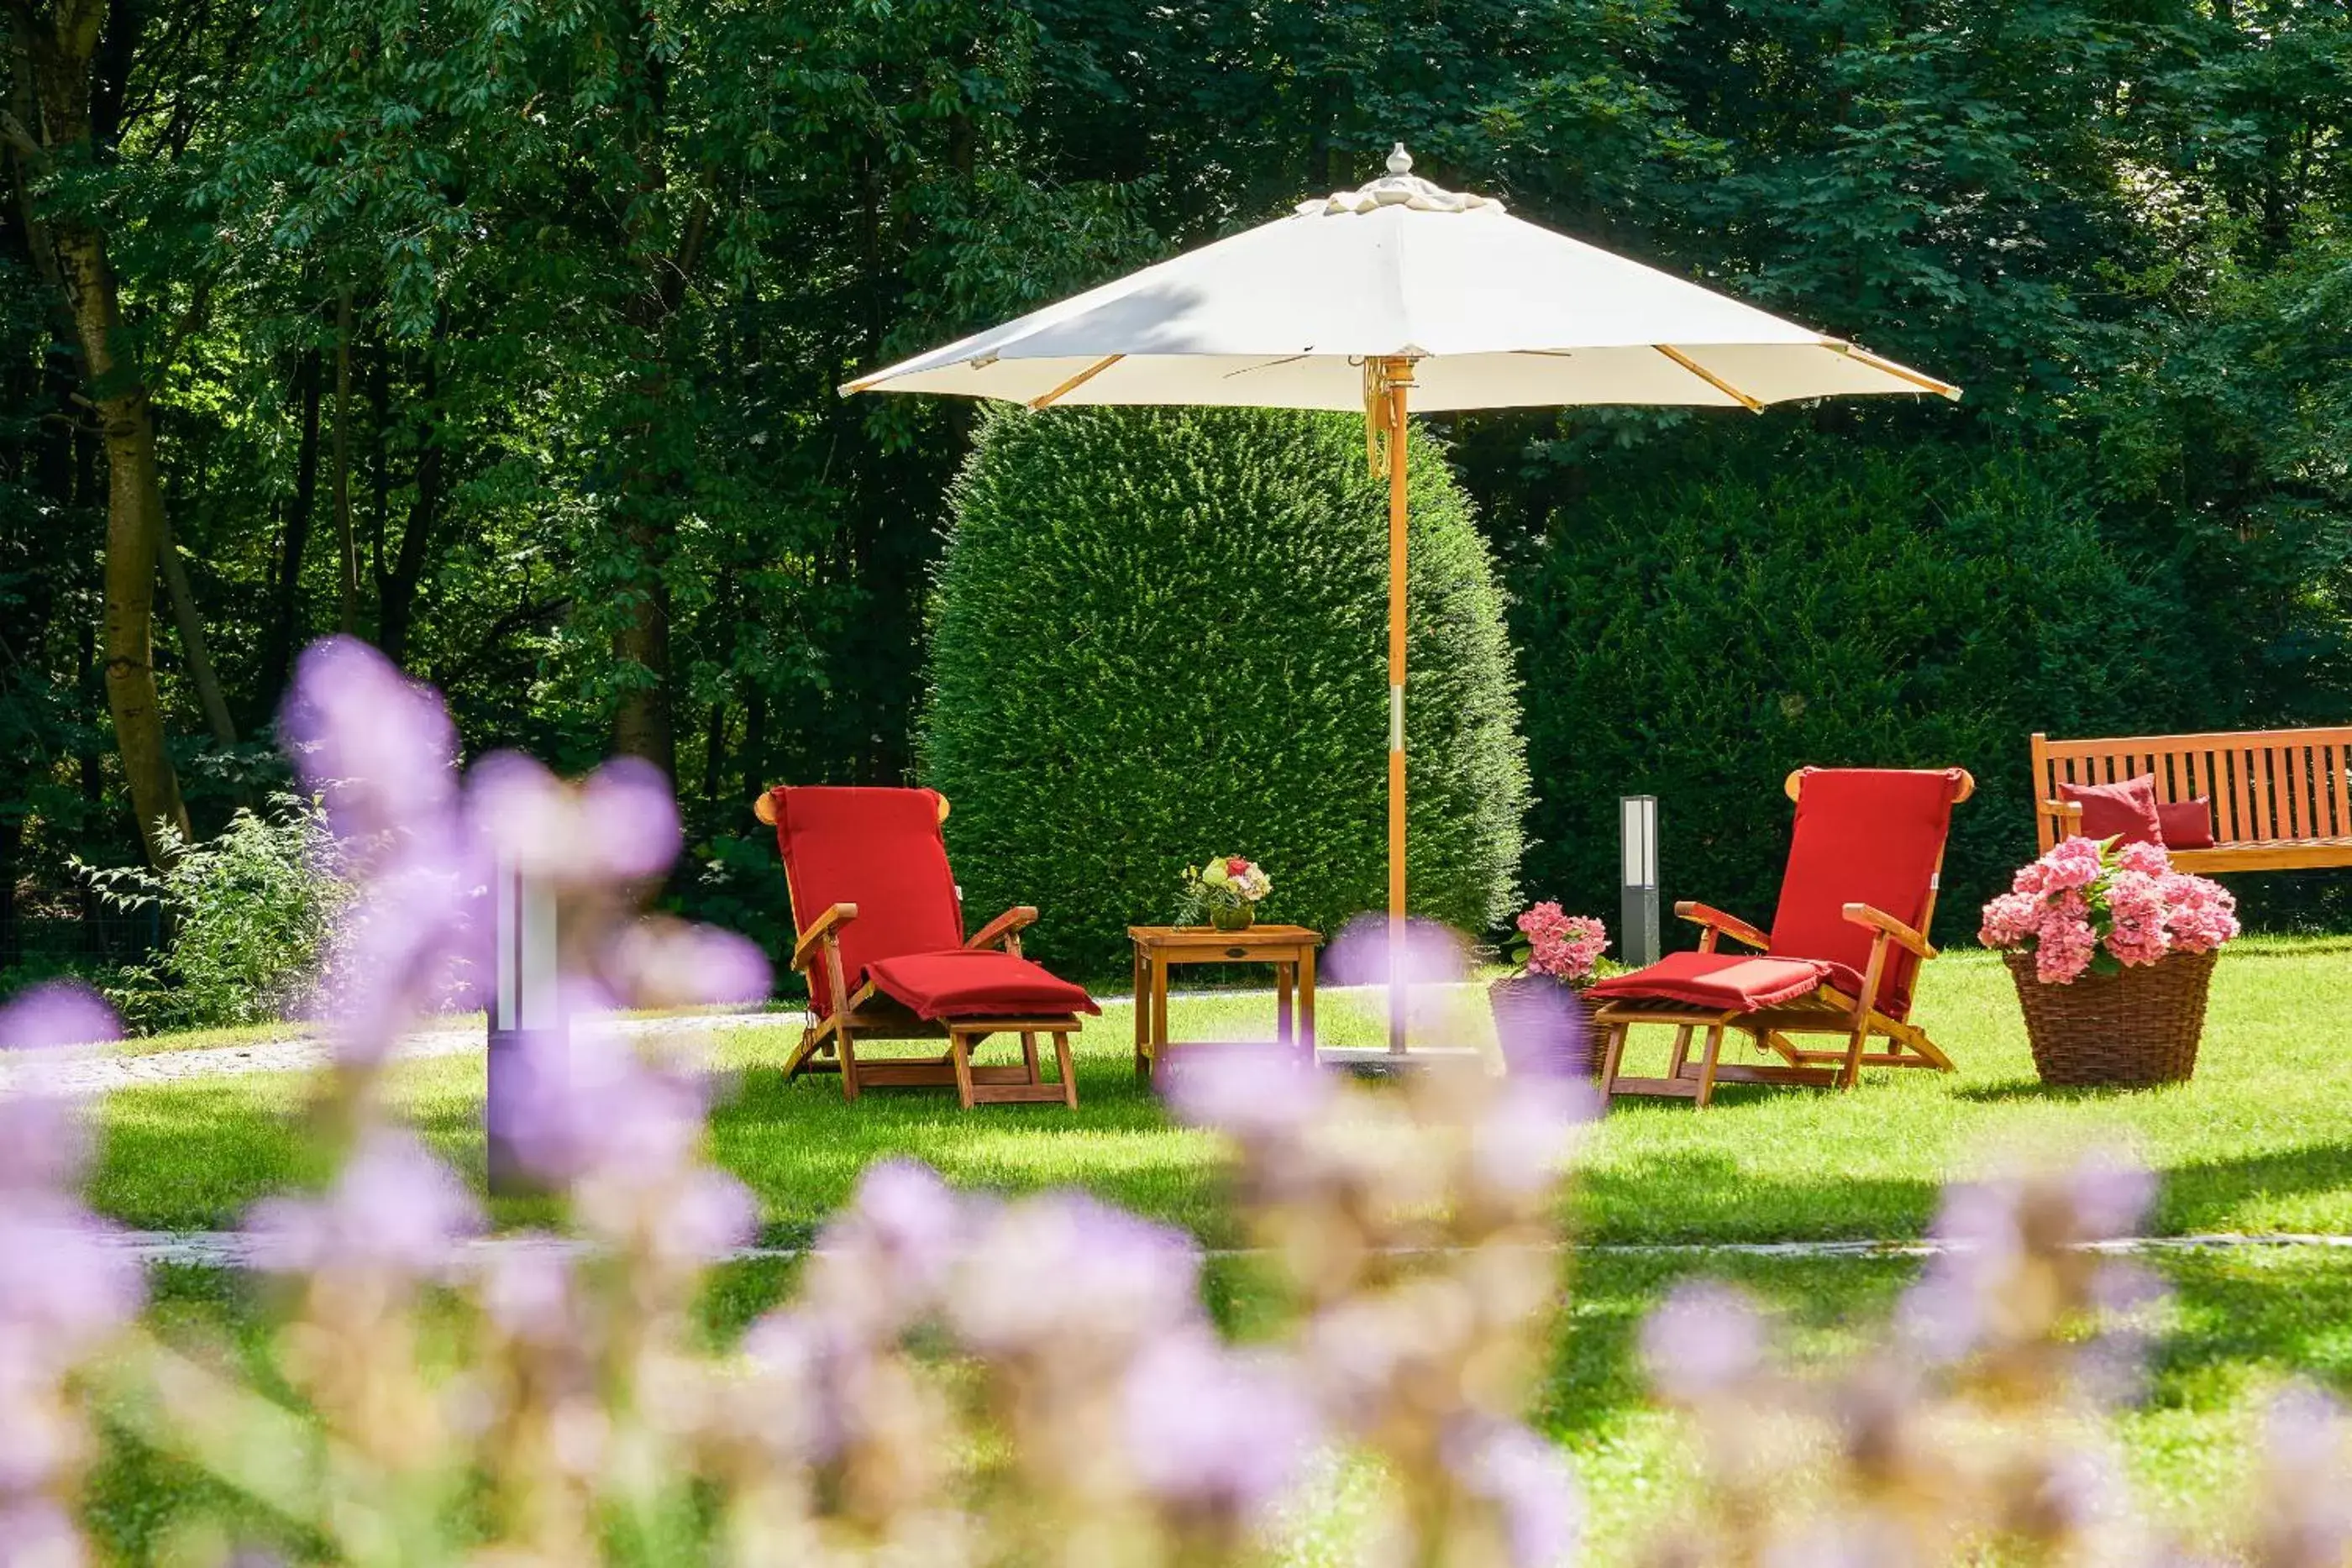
pixel 968 1380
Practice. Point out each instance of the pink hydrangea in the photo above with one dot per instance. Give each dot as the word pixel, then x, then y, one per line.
pixel 2088 902
pixel 1564 946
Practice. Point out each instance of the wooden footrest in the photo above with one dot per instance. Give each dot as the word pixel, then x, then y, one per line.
pixel 1019 1094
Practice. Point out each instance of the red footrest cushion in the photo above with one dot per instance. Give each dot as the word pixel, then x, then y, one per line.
pixel 1726 980
pixel 976 983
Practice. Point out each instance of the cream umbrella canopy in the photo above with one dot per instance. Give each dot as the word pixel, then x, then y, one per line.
pixel 1392 294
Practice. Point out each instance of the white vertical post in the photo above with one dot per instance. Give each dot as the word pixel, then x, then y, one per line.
pixel 526 1004
pixel 1637 932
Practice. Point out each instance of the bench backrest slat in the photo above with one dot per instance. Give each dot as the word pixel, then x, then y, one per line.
pixel 2265 786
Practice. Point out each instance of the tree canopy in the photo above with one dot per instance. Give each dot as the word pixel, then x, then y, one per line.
pixel 507 336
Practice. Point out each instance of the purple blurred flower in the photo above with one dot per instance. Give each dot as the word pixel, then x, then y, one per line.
pixel 629 820
pixel 584 1102
pixel 526 1289
pixel 55 1013
pixel 1431 954
pixel 2308 1523
pixel 1216 1432
pixel 378 747
pixel 1063 1266
pixel 660 962
pixel 1705 1340
pixel 805 1364
pixel 704 1218
pixel 393 1210
pixel 36 1532
pixel 1237 1094
pixel 885 1258
pixel 64 1284
pixel 1528 1482
pixel 1523 1138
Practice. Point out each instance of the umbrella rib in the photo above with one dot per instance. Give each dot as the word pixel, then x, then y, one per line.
pixel 1751 405
pixel 1924 384
pixel 1076 381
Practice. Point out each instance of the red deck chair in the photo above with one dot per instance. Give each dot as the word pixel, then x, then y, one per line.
pixel 880 938
pixel 1845 946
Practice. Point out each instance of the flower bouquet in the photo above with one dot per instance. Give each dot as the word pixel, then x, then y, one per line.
pixel 2112 952
pixel 1543 1020
pixel 1223 892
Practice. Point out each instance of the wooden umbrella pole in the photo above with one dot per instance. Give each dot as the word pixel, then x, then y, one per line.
pixel 1397 375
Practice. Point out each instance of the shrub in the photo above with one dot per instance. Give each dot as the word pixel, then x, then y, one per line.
pixel 1161 635
pixel 253 916
pixel 1698 635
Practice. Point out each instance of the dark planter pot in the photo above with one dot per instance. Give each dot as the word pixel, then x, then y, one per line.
pixel 1545 1027
pixel 2130 1029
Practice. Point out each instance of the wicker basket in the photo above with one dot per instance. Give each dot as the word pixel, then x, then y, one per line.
pixel 1545 1027
pixel 2138 1026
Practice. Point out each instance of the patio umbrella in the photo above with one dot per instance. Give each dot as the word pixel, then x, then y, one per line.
pixel 1399 293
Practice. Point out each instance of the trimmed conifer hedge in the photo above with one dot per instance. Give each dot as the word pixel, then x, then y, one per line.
pixel 1697 629
pixel 1160 634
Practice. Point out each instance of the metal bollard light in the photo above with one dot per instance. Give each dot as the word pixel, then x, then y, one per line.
pixel 1637 931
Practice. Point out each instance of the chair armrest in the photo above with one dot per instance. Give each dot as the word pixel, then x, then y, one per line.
pixel 997 931
pixel 821 930
pixel 1902 935
pixel 1715 919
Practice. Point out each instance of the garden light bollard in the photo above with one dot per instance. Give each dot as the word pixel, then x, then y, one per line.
pixel 526 1006
pixel 1637 821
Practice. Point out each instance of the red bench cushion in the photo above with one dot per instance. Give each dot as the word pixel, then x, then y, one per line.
pixel 1727 980
pixel 2125 809
pixel 976 983
pixel 2186 824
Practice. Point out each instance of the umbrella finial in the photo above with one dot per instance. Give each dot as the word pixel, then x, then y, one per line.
pixel 1400 160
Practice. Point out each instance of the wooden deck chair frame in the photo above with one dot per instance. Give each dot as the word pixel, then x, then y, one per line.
pixel 829 1044
pixel 1825 1011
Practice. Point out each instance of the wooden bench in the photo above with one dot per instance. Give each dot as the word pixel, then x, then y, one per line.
pixel 2281 797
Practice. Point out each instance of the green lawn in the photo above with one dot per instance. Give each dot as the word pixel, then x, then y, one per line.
pixel 2245 1320
pixel 2257 1142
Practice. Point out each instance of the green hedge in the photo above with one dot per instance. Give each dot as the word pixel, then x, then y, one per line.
pixel 1696 635
pixel 1159 634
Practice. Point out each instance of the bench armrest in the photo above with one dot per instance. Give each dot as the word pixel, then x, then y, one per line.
pixel 1003 931
pixel 2066 815
pixel 1715 920
pixel 821 930
pixel 1880 921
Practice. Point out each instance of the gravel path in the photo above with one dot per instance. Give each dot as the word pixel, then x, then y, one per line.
pixel 228 1250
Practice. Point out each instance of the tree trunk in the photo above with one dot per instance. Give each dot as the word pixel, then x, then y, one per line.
pixel 58 49
pixel 347 619
pixel 190 623
pixel 285 625
pixel 396 586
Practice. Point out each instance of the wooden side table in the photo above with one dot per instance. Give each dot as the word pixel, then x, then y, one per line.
pixel 1290 949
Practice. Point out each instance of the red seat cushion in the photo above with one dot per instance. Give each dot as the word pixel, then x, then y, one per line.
pixel 2125 809
pixel 1727 980
pixel 2186 824
pixel 880 850
pixel 976 983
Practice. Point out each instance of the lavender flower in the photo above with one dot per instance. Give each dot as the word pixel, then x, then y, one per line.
pixel 1114 1278
pixel 1527 1483
pixel 394 1210
pixel 1703 1344
pixel 377 746
pixel 1217 1436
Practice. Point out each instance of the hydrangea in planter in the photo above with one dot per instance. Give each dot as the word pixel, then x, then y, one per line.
pixel 1541 1013
pixel 2112 952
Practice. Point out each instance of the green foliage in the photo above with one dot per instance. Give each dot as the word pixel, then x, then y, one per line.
pixel 1697 635
pixel 1159 635
pixel 254 917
